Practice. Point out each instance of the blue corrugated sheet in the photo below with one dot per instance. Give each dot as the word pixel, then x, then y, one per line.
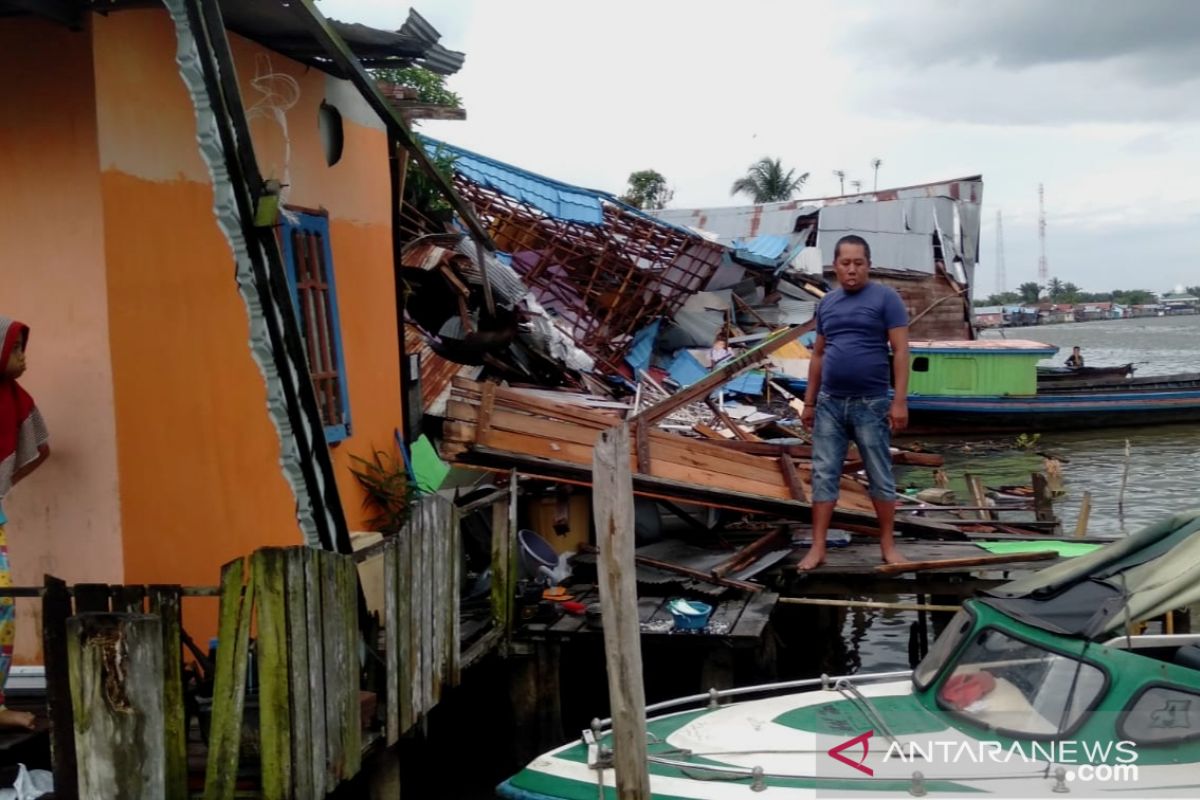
pixel 747 383
pixel 642 350
pixel 684 369
pixel 555 198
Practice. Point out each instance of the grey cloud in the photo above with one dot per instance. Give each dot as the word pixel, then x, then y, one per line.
pixel 1040 95
pixel 1154 40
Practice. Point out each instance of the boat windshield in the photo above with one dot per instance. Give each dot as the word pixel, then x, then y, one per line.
pixel 942 649
pixel 1011 685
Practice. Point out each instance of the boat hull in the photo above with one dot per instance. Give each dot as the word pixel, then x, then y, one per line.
pixel 1051 412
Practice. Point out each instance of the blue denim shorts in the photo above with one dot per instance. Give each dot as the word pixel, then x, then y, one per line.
pixel 841 420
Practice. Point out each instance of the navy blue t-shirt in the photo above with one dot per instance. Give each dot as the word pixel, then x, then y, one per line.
pixel 855 326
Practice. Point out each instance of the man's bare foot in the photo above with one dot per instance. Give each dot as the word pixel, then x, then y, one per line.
pixel 891 555
pixel 814 559
pixel 16 719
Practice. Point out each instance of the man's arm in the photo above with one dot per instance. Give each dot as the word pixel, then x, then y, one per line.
pixel 898 338
pixel 814 382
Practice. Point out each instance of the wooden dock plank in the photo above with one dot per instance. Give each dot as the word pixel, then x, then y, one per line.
pixel 319 757
pixel 391 627
pixel 274 697
pixel 165 603
pixel 299 674
pixel 229 686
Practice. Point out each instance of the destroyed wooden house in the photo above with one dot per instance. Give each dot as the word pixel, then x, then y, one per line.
pixel 601 267
pixel 924 242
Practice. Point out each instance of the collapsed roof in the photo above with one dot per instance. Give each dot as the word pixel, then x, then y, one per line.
pixel 924 243
pixel 602 267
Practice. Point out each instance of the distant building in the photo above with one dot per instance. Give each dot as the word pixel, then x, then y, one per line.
pixel 1020 316
pixel 989 317
pixel 1086 312
pixel 1055 313
pixel 1173 304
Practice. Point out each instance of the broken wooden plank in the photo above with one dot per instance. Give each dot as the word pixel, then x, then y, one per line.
pixel 612 501
pixel 957 563
pixel 793 478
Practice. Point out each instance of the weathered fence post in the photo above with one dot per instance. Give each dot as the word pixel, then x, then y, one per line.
pixel 612 499
pixel 116 665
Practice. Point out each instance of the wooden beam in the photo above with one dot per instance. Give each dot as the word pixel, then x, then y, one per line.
pixel 962 563
pixel 717 378
pixel 612 502
pixel 729 423
pixel 788 467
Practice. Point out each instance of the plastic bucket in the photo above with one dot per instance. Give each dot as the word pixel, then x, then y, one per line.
pixel 536 553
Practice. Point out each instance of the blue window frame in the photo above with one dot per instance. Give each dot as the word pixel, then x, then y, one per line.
pixel 305 239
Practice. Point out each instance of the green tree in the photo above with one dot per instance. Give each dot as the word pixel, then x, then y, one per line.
pixel 767 182
pixel 1132 297
pixel 1029 291
pixel 647 189
pixel 431 87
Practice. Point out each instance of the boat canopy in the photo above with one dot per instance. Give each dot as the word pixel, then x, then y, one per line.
pixel 1136 578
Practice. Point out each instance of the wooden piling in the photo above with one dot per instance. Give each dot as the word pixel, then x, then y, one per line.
pixel 229 685
pixel 56 609
pixel 1043 505
pixel 274 697
pixel 165 604
pixel 1085 511
pixel 116 669
pixel 612 499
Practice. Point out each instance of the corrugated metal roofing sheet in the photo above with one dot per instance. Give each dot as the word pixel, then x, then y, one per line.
pixel 554 198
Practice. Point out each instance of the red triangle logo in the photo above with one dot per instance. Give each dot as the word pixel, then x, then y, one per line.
pixel 865 740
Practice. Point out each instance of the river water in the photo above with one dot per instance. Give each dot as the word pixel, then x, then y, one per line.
pixel 1163 463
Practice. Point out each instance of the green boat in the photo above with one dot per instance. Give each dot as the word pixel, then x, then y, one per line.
pixel 1035 689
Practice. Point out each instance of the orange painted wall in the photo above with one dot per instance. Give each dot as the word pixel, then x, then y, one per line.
pixel 199 461
pixel 65 519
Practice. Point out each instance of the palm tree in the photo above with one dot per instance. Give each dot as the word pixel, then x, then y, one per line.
pixel 840 174
pixel 766 182
pixel 876 163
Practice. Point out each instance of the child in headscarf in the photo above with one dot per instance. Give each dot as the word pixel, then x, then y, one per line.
pixel 24 445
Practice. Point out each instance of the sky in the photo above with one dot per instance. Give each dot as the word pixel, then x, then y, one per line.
pixel 1098 100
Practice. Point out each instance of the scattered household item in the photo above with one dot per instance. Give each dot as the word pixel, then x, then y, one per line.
pixel 29 785
pixel 689 615
pixel 539 560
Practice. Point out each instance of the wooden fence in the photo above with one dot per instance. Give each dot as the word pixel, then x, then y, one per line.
pixel 114 658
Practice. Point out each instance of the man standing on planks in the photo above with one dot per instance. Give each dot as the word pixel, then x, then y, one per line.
pixel 847 395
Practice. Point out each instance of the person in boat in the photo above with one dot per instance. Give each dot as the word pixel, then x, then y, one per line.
pixel 847 394
pixel 24 445
pixel 1075 360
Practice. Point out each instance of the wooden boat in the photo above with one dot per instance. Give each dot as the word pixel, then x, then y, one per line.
pixel 1079 377
pixel 993 387
pixel 1028 692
